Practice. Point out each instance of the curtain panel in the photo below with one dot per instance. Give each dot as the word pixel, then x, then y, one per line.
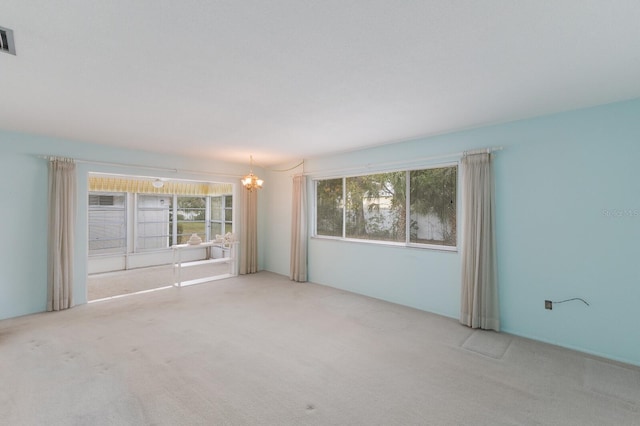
pixel 249 233
pixel 61 225
pixel 479 297
pixel 298 269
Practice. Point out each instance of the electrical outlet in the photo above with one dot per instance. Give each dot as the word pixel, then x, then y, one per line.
pixel 548 304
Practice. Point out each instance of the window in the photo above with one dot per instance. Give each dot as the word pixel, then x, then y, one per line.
pixel 191 218
pixel 376 207
pixel 329 207
pixel 433 206
pixel 221 215
pixel 154 229
pixel 107 224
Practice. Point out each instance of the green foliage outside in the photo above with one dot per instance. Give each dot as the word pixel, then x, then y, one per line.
pixel 191 218
pixel 433 191
pixel 185 229
pixel 372 193
pixel 329 207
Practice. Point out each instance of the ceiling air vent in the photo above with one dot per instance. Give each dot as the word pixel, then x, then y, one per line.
pixel 6 41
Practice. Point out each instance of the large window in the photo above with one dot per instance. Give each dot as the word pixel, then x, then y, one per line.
pixel 375 207
pixel 122 223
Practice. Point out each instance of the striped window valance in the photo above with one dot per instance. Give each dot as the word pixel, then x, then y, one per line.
pixel 142 186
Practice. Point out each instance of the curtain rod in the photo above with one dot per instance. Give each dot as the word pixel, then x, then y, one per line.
pixel 140 166
pixel 387 164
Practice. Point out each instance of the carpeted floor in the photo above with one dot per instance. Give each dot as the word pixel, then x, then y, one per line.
pixel 261 350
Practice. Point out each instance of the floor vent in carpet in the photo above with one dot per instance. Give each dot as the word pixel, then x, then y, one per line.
pixel 487 343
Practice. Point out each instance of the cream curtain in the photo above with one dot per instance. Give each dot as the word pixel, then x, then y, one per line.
pixel 249 232
pixel 479 304
pixel 298 269
pixel 62 209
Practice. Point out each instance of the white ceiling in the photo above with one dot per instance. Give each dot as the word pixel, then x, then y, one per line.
pixel 291 79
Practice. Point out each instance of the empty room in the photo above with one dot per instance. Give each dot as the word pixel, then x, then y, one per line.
pixel 288 212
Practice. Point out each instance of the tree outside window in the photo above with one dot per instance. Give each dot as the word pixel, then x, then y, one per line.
pixel 329 207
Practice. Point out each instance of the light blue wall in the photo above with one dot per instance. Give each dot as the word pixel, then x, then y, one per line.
pixel 555 179
pixel 23 199
pixel 23 208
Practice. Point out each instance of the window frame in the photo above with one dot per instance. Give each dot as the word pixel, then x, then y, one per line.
pixel 407 243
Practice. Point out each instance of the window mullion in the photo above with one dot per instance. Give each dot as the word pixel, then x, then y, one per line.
pixel 174 230
pixel 407 208
pixel 315 208
pixel 207 218
pixel 344 207
pixel 134 222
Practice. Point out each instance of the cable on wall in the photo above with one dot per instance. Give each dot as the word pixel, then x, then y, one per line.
pixel 301 163
pixel 548 304
pixel 572 299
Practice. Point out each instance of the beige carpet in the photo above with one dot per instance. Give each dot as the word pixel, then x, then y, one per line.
pixel 261 350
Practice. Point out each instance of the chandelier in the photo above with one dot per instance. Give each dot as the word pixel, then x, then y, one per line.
pixel 251 181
